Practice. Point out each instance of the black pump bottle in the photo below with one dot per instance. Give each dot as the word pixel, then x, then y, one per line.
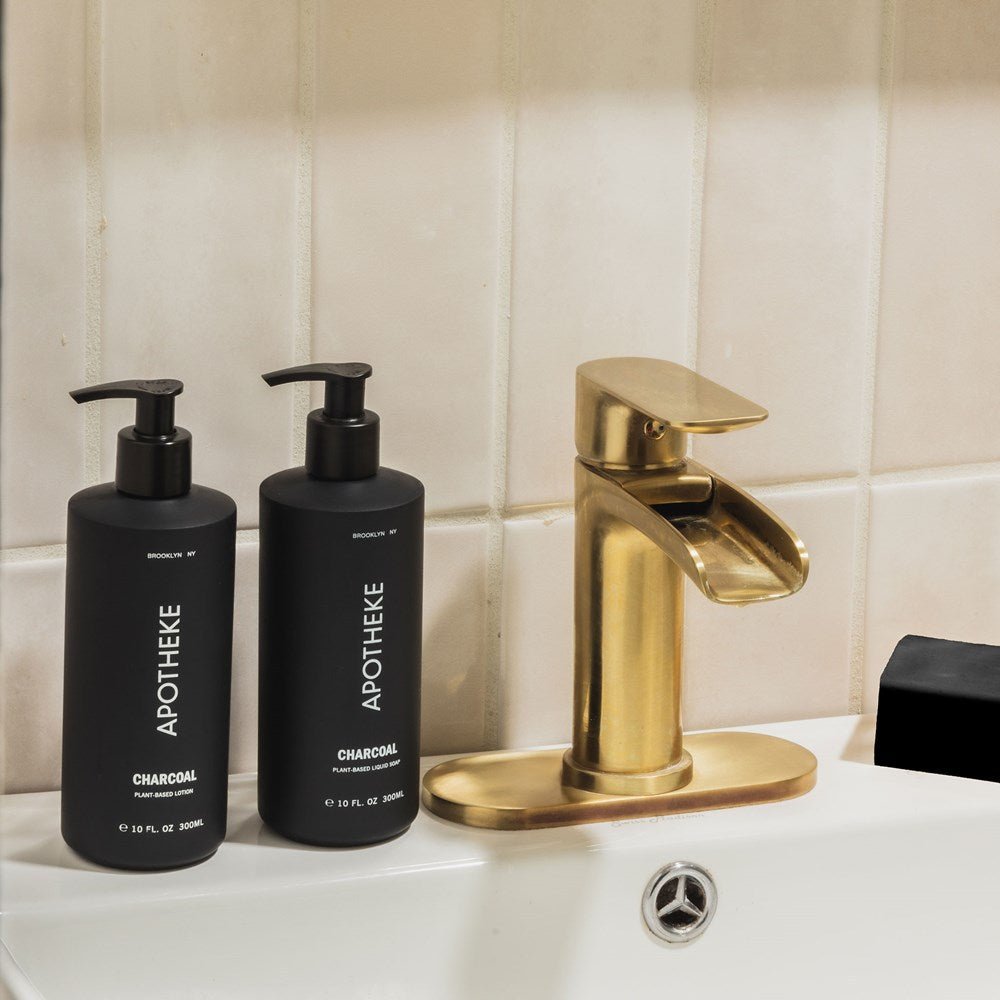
pixel 341 571
pixel 149 630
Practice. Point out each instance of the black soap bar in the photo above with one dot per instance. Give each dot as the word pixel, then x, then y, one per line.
pixel 939 708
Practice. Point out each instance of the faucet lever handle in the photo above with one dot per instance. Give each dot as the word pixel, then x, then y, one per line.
pixel 634 412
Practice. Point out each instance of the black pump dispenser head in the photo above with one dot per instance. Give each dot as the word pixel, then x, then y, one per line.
pixel 342 438
pixel 154 456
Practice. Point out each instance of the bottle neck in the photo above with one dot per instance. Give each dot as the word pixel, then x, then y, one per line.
pixel 153 467
pixel 342 449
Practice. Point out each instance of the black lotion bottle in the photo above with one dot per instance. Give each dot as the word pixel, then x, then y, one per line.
pixel 341 575
pixel 149 626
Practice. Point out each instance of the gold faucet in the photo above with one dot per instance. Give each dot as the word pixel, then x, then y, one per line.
pixel 645 514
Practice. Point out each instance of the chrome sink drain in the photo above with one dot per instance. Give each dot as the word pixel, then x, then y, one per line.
pixel 679 902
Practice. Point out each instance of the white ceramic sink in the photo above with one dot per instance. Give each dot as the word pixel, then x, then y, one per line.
pixel 879 883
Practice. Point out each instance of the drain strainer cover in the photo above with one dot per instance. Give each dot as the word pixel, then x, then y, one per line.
pixel 679 902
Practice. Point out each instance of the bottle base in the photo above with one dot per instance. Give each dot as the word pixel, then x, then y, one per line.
pixel 338 842
pixel 133 865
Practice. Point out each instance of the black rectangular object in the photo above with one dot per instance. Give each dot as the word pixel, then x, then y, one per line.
pixel 939 708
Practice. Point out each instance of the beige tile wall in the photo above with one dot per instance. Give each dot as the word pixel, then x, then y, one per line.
pixel 799 197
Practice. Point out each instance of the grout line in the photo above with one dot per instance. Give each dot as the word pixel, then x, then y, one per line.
pixel 302 348
pixel 862 530
pixel 699 161
pixel 31 553
pixel 801 486
pixel 501 369
pixel 547 513
pixel 945 472
pixel 452 518
pixel 94 223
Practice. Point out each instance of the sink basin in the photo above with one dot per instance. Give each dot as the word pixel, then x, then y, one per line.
pixel 879 883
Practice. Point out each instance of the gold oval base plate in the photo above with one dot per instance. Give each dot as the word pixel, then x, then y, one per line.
pixel 523 790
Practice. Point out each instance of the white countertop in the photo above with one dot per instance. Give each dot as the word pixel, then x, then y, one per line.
pixel 267 907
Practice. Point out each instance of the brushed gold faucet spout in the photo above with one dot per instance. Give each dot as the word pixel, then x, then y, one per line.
pixel 729 544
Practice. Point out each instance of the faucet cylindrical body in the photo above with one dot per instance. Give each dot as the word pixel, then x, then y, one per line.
pixel 629 608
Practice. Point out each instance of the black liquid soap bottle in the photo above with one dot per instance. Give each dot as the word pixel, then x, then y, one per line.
pixel 341 571
pixel 149 635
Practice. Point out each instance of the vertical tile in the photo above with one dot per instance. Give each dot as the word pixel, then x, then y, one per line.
pixel 787 229
pixel 44 268
pixel 199 159
pixel 405 205
pixel 31 673
pixel 243 717
pixel 940 306
pixel 602 211
pixel 786 659
pixel 453 698
pixel 933 567
pixel 536 693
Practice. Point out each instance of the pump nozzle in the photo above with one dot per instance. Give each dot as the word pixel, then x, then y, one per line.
pixel 342 438
pixel 345 386
pixel 154 401
pixel 154 456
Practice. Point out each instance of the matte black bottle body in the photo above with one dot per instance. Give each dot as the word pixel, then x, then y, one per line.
pixel 149 618
pixel 340 629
